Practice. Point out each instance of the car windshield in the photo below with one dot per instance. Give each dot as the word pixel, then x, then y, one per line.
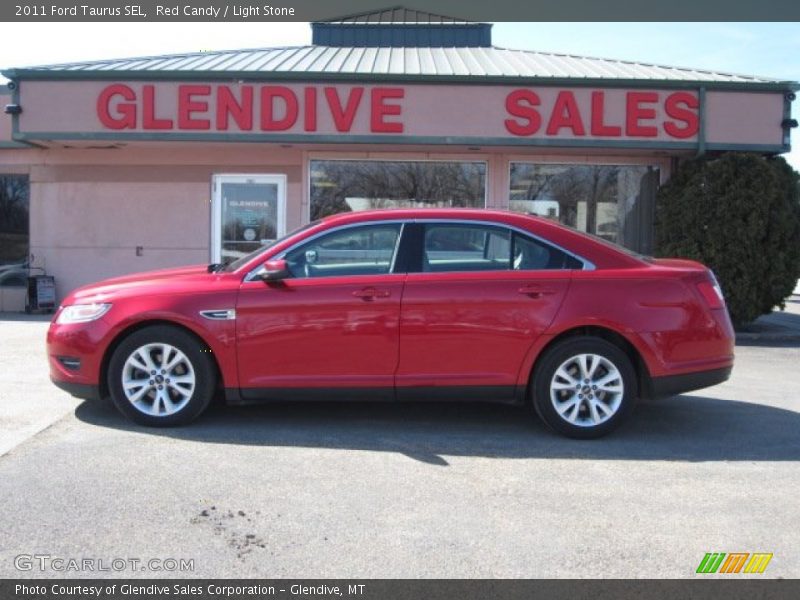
pixel 243 260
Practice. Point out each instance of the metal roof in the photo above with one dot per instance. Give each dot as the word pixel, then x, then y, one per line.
pixel 477 64
pixel 396 15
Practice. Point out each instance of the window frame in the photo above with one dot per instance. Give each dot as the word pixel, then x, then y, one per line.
pixel 411 245
pixel 487 227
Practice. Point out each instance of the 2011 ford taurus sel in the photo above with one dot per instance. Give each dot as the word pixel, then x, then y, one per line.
pixel 403 305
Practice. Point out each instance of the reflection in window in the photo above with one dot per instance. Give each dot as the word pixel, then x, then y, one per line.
pixel 367 250
pixel 533 255
pixel 348 185
pixel 466 248
pixel 615 202
pixel 249 217
pixel 14 239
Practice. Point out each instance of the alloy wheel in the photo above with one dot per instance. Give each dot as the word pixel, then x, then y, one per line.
pixel 587 390
pixel 158 379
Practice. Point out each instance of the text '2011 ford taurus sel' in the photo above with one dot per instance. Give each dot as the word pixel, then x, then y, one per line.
pixel 449 304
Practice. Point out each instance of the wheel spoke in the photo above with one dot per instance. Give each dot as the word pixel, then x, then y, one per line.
pixel 169 406
pixel 557 385
pixel 157 403
pixel 606 379
pixel 601 407
pixel 593 411
pixel 165 353
pixel 563 374
pixel 567 405
pixel 610 389
pixel 137 362
pixel 587 364
pixel 138 395
pixel 576 409
pixel 134 383
pixel 594 362
pixel 184 392
pixel 176 360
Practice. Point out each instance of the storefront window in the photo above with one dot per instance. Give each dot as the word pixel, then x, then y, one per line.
pixel 348 185
pixel 615 202
pixel 14 243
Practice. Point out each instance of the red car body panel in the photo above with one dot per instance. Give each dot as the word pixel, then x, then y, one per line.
pixel 317 333
pixel 411 330
pixel 472 329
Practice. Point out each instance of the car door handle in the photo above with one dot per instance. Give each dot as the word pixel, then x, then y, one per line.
pixel 535 291
pixel 371 294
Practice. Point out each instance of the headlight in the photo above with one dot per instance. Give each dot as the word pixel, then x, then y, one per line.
pixel 82 313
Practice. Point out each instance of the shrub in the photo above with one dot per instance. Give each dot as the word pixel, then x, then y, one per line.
pixel 740 215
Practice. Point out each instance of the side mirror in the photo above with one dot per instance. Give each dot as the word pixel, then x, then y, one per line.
pixel 274 270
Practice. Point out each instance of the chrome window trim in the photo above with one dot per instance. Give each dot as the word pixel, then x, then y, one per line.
pixel 587 264
pixel 397 247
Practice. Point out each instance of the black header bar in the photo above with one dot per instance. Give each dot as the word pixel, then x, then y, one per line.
pixel 472 10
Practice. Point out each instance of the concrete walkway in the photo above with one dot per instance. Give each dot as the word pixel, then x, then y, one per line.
pixel 778 326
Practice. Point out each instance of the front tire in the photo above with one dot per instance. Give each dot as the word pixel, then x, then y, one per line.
pixel 161 376
pixel 584 387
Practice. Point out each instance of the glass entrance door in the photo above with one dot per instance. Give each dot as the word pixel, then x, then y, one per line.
pixel 247 212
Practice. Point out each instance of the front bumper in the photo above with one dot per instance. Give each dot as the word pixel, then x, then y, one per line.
pixel 75 355
pixel 85 391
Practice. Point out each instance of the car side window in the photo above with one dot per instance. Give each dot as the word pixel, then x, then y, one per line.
pixel 533 255
pixel 468 247
pixel 363 250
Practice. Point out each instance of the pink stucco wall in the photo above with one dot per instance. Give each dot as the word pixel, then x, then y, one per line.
pixel 5 120
pixel 90 209
pixel 5 125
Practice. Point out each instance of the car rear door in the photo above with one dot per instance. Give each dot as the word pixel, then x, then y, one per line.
pixel 478 301
pixel 330 328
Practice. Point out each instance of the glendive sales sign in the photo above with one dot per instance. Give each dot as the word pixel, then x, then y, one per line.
pixel 281 108
pixel 394 113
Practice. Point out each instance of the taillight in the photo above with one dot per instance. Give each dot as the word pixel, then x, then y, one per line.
pixel 712 292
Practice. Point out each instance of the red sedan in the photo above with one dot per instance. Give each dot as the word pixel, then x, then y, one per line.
pixel 403 305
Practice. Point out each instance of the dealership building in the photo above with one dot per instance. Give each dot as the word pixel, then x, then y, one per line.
pixel 122 165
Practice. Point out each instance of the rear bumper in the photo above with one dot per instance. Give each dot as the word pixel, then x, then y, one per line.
pixel 672 385
pixel 86 391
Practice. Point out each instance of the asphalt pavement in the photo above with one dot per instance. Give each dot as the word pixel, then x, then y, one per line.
pixel 416 490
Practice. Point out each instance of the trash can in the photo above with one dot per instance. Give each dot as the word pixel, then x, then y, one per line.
pixel 41 294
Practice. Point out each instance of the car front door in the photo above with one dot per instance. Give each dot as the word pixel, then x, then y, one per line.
pixel 332 326
pixel 480 298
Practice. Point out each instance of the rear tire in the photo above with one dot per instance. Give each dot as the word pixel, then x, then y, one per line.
pixel 161 376
pixel 583 387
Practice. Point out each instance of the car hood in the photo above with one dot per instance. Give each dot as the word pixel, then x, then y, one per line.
pixel 163 281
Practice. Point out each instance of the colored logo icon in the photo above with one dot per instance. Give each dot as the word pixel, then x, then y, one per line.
pixel 734 562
